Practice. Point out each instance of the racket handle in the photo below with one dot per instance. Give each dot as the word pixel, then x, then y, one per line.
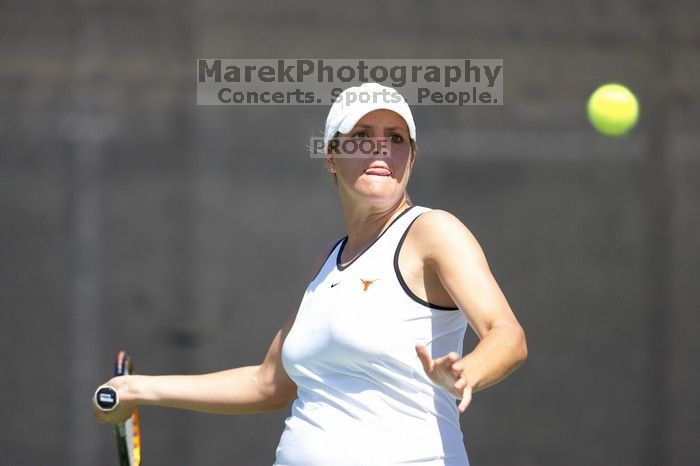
pixel 106 398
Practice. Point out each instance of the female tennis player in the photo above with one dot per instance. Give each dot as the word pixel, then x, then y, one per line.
pixel 373 356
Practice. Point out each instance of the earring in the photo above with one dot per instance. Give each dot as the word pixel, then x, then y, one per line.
pixel 332 170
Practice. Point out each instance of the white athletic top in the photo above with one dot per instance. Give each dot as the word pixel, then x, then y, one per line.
pixel 363 396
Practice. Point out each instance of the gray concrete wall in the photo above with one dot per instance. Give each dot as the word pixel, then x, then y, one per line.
pixel 131 218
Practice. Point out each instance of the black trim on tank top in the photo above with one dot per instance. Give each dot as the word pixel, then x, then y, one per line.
pixel 335 245
pixel 345 240
pixel 405 287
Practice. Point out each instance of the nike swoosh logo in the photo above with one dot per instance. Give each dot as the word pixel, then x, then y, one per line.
pixel 333 284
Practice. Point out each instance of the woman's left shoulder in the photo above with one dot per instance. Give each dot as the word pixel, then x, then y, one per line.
pixel 438 229
pixel 433 221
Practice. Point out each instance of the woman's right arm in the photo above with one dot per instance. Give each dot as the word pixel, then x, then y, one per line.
pixel 249 389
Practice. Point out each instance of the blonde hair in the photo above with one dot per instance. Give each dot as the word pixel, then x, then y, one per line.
pixel 414 149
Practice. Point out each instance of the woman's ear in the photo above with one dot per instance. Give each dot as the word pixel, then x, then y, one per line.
pixel 329 163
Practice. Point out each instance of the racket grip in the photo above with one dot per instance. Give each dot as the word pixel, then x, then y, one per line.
pixel 106 398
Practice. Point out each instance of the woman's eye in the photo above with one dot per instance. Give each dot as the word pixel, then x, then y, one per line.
pixel 395 138
pixel 360 135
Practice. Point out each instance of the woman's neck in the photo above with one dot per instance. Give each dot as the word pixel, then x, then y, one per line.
pixel 364 223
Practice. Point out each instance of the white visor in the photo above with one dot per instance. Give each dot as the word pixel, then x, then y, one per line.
pixel 355 102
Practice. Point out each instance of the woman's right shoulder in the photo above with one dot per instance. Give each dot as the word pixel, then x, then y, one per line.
pixel 323 256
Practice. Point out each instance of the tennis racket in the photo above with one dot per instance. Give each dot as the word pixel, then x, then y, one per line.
pixel 129 433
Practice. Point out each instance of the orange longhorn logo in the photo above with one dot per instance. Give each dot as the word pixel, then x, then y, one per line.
pixel 367 283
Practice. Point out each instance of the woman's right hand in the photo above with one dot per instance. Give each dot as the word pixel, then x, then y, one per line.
pixel 126 405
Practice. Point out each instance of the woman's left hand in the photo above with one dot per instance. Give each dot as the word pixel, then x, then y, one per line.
pixel 448 373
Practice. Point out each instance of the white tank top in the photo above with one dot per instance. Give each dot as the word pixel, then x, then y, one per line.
pixel 363 397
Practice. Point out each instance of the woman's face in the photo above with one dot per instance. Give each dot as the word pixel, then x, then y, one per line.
pixel 371 176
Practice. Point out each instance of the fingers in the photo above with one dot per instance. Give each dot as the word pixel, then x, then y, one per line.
pixel 450 364
pixel 451 361
pixel 450 358
pixel 425 359
pixel 464 391
pixel 100 416
pixel 118 416
pixel 447 372
pixel 447 364
pixel 447 360
pixel 466 399
pixel 122 409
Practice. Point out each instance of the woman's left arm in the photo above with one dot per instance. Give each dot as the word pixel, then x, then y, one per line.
pixel 454 255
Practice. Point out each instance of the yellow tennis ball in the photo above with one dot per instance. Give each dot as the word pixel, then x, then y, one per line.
pixel 613 109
